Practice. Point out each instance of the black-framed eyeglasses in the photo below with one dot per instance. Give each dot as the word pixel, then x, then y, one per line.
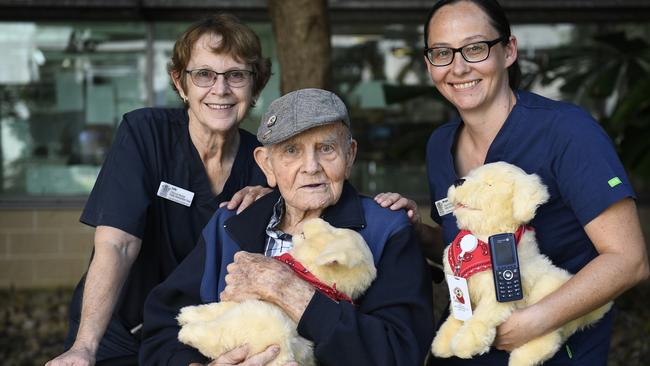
pixel 206 78
pixel 473 52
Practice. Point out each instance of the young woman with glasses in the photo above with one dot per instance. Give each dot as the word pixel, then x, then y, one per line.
pixel 590 224
pixel 166 174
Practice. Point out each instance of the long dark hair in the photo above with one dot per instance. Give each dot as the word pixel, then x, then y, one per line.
pixel 498 20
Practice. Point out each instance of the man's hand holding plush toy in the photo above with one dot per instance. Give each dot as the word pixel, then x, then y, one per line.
pixel 241 356
pixel 257 277
pixel 264 298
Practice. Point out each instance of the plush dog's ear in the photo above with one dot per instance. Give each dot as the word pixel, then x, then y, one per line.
pixel 529 194
pixel 341 252
pixel 330 258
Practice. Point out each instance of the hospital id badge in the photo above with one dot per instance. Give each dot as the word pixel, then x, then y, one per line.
pixel 444 207
pixel 460 304
pixel 175 194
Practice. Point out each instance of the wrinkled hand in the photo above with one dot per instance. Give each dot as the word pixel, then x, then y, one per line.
pixel 245 197
pixel 521 327
pixel 396 201
pixel 239 356
pixel 254 276
pixel 75 356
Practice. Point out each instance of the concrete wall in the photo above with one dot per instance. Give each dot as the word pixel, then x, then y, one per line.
pixel 45 248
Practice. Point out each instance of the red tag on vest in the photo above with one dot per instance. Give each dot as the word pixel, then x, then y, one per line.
pixel 477 260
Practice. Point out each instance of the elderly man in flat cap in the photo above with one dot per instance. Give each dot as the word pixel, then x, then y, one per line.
pixel 307 156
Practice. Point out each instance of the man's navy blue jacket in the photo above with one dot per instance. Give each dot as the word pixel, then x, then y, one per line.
pixel 391 324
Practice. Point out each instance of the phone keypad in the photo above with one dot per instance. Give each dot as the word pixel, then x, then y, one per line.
pixel 509 287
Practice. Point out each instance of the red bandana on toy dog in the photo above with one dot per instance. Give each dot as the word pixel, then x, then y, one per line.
pixel 306 275
pixel 477 260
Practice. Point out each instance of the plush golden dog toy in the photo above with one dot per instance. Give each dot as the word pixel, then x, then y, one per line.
pixel 501 198
pixel 338 258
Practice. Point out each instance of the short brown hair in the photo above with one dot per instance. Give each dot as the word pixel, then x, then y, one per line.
pixel 237 40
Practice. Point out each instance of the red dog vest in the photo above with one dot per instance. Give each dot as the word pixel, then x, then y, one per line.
pixel 477 260
pixel 306 275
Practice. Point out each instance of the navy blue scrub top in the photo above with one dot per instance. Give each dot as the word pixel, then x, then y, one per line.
pixel 576 160
pixel 153 145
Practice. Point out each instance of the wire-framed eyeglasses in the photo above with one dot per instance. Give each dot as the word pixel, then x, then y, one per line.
pixel 206 78
pixel 473 52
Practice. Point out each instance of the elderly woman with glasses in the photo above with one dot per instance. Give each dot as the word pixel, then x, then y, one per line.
pixel 589 226
pixel 166 174
pixel 307 157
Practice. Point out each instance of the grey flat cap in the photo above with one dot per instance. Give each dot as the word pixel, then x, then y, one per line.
pixel 299 111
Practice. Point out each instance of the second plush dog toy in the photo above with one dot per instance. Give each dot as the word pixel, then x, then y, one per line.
pixel 492 199
pixel 339 258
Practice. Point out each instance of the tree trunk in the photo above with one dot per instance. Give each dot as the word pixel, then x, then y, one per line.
pixel 302 37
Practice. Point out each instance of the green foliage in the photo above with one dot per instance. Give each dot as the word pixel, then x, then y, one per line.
pixel 610 75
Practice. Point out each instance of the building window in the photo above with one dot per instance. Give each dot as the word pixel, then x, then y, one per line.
pixel 63 89
pixel 65 86
pixel 379 72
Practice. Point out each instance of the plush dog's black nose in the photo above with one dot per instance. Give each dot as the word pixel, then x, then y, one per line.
pixel 459 182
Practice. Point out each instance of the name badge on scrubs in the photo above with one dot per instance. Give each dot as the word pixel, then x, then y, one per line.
pixel 176 194
pixel 444 207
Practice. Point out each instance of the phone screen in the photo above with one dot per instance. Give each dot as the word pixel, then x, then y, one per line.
pixel 504 255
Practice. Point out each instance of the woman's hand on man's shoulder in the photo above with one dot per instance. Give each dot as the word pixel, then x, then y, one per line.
pixel 245 197
pixel 396 201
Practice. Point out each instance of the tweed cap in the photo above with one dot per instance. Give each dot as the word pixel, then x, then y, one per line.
pixel 299 111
